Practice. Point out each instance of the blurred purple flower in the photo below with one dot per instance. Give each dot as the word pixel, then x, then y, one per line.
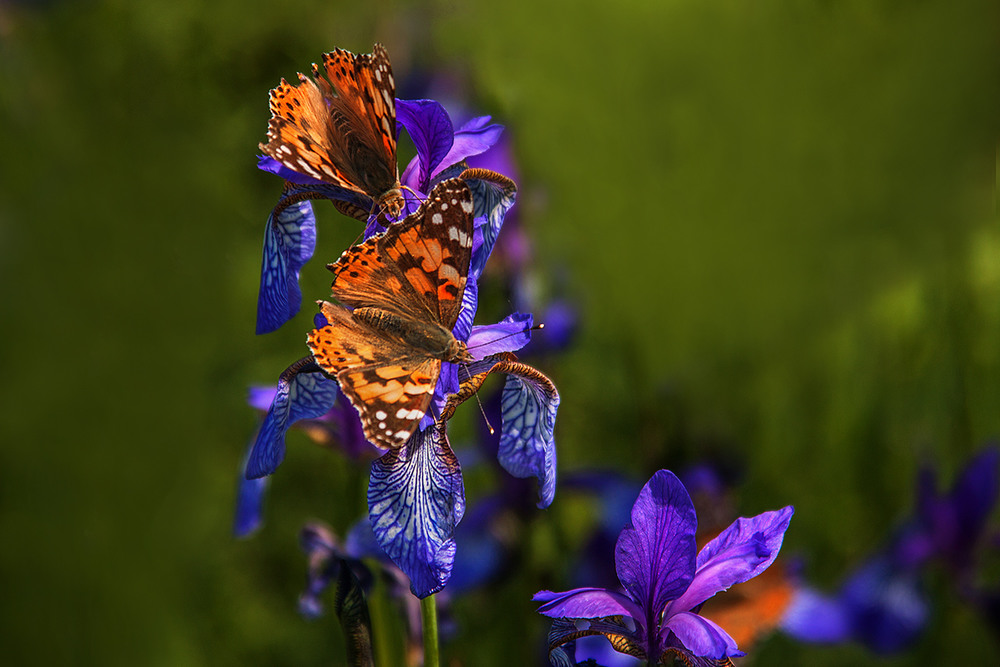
pixel 665 581
pixel 881 606
pixel 949 526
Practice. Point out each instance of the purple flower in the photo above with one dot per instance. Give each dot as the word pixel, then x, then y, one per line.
pixel 290 233
pixel 664 580
pixel 881 606
pixel 949 526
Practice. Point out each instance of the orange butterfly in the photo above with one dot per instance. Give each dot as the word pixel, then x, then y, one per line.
pixel 341 129
pixel 405 287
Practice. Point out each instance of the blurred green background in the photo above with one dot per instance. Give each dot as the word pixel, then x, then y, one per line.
pixel 778 220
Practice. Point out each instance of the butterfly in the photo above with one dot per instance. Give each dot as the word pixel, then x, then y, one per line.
pixel 405 287
pixel 341 129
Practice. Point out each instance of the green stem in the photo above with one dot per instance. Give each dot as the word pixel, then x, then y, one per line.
pixel 429 619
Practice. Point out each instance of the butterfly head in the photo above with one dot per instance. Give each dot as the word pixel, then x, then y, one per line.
pixel 458 353
pixel 390 203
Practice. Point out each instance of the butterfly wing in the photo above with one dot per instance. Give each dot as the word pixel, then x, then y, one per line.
pixel 418 268
pixel 364 112
pixel 297 136
pixel 339 129
pixel 389 386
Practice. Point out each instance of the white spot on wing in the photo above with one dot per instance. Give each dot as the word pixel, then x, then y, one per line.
pixel 467 206
pixel 437 219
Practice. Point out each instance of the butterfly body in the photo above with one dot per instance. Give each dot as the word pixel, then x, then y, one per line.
pixel 339 127
pixel 401 293
pixel 428 337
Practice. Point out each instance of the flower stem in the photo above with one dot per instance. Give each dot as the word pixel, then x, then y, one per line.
pixel 428 617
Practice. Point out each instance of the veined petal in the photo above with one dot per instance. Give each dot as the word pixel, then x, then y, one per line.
pixel 493 195
pixel 587 603
pixel 655 553
pixel 475 137
pixel 303 393
pixel 510 335
pixel 699 635
pixel 289 241
pixel 415 500
pixel 527 442
pixel 740 552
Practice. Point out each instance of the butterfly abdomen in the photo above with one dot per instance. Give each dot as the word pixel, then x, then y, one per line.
pixel 427 337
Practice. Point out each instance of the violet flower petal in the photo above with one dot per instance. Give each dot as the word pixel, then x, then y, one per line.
pixel 473 138
pixel 740 552
pixel 655 552
pixel 587 603
pixel 509 335
pixel 527 443
pixel 429 126
pixel 703 637
pixel 269 164
pixel 250 495
pixel 415 499
pixel 300 395
pixel 289 242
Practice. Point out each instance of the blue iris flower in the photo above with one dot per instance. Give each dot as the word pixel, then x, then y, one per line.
pixel 665 580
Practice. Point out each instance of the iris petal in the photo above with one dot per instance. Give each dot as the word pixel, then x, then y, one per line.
pixel 527 443
pixel 300 395
pixel 415 499
pixel 289 241
pixel 655 553
pixel 740 552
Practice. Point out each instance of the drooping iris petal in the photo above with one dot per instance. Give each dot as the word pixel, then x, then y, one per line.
pixel 527 442
pixel 250 496
pixel 509 335
pixel 491 200
pixel 473 138
pixel 740 552
pixel 702 637
pixel 289 241
pixel 415 499
pixel 587 603
pixel 301 395
pixel 429 126
pixel 655 553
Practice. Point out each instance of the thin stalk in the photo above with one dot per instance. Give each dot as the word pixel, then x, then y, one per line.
pixel 429 620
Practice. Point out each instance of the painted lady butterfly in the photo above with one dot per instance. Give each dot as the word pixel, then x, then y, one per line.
pixel 405 287
pixel 341 129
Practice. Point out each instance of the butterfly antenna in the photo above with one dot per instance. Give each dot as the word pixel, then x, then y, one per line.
pixel 479 402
